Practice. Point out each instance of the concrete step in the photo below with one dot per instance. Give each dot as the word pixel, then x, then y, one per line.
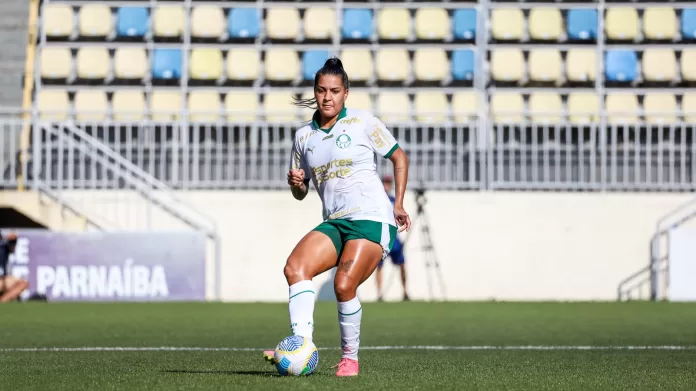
pixel 43 210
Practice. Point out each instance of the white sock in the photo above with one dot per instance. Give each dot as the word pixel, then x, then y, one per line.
pixel 302 308
pixel 349 316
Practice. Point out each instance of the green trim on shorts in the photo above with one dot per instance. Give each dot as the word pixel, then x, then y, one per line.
pixel 340 231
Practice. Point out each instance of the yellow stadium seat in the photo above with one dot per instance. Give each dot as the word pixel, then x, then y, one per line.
pixel 545 24
pixel 659 65
pixel 465 106
pixel 688 106
pixel 207 22
pixel 95 20
pixel 622 108
pixel 282 23
pixel 507 64
pixel 93 63
pixel 431 107
pixel 128 105
pixel 546 107
pixel 660 108
pixel 660 23
pixel 430 64
pixel 392 64
pixel 168 21
pixel 282 64
pixel 358 63
pixel 583 107
pixel 55 62
pixel 393 24
pixel 507 107
pixel 241 106
pixel 688 65
pixel 359 100
pixel 319 23
pixel 507 24
pixel 205 64
pixel 243 64
pixel 278 108
pixel 581 65
pixel 58 20
pixel 204 106
pixel 545 65
pixel 621 23
pixel 130 63
pixel 165 105
pixel 53 104
pixel 432 23
pixel 90 105
pixel 393 107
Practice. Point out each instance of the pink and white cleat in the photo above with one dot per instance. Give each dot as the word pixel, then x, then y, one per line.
pixel 347 367
pixel 269 355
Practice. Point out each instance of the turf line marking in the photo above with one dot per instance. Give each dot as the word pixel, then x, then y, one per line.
pixel 415 347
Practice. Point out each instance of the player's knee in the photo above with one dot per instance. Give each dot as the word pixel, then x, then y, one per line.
pixel 294 271
pixel 345 288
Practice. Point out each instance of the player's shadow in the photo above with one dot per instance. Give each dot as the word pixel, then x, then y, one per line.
pixel 214 372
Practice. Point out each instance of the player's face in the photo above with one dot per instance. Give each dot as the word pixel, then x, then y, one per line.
pixel 330 95
pixel 387 186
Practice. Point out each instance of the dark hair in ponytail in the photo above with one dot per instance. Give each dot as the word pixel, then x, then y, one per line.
pixel 332 66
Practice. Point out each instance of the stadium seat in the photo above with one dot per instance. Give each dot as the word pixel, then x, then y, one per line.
pixel 582 24
pixel 243 64
pixel 581 65
pixel 465 105
pixel 507 65
pixel 205 64
pixel 688 23
pixel 57 20
pixel 357 24
pixel 621 24
pixel 204 106
pixel 430 65
pixel 207 22
pixel 463 64
pixel 393 24
pixel 688 106
pixel 688 65
pixel 659 65
pixel 545 24
pixel 507 24
pixel 583 107
pixel 622 108
pixel 130 63
pixel 660 23
pixel 620 65
pixel 243 23
pixel 464 21
pixel 319 23
pixel 278 108
pixel 507 107
pixel 430 107
pixel 360 100
pixel 282 23
pixel 95 20
pixel 52 104
pixel 165 105
pixel 166 64
pixel 92 63
pixel 432 23
pixel 660 108
pixel 392 64
pixel 90 105
pixel 55 63
pixel 358 63
pixel 545 65
pixel 545 107
pixel 132 22
pixel 168 21
pixel 393 107
pixel 312 61
pixel 282 65
pixel 241 106
pixel 128 105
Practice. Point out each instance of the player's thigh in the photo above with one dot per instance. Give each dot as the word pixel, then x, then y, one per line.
pixel 8 282
pixel 359 260
pixel 314 253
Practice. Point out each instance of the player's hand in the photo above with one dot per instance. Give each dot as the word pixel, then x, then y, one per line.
pixel 403 221
pixel 296 177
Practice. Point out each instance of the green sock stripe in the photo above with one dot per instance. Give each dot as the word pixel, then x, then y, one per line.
pixel 307 291
pixel 350 314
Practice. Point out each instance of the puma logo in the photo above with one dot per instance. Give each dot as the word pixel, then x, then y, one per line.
pixel 311 149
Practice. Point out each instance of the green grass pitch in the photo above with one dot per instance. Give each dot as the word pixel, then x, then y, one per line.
pixel 590 346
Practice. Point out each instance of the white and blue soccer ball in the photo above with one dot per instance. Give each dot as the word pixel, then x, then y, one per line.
pixel 296 356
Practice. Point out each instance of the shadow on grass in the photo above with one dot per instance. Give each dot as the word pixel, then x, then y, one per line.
pixel 217 372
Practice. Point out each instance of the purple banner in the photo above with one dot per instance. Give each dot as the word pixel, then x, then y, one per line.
pixel 105 266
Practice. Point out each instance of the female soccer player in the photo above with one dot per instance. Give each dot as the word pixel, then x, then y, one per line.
pixel 337 152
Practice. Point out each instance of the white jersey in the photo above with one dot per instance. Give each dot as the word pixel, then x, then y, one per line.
pixel 342 164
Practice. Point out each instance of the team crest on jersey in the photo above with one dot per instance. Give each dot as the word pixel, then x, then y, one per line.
pixel 343 141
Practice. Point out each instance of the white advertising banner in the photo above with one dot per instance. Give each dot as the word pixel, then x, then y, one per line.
pixel 682 264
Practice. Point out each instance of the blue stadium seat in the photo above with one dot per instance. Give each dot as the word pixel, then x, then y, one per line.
pixel 312 61
pixel 464 21
pixel 463 65
pixel 166 64
pixel 582 24
pixel 688 23
pixel 243 23
pixel 621 65
pixel 357 24
pixel 131 21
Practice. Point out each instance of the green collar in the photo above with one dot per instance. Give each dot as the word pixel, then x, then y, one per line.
pixel 315 120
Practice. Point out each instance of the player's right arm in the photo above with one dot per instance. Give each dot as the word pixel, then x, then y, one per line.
pixel 298 176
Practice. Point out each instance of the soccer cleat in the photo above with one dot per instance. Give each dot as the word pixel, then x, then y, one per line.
pixel 269 355
pixel 347 367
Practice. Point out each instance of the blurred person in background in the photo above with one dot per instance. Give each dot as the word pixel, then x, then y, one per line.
pixel 11 287
pixel 397 252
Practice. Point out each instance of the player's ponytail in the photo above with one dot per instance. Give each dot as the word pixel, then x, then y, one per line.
pixel 332 66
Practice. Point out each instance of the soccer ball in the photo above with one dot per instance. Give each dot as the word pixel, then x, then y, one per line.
pixel 296 356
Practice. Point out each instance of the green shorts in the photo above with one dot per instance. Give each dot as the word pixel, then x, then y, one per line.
pixel 340 231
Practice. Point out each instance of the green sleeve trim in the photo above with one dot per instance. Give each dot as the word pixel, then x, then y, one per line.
pixel 391 151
